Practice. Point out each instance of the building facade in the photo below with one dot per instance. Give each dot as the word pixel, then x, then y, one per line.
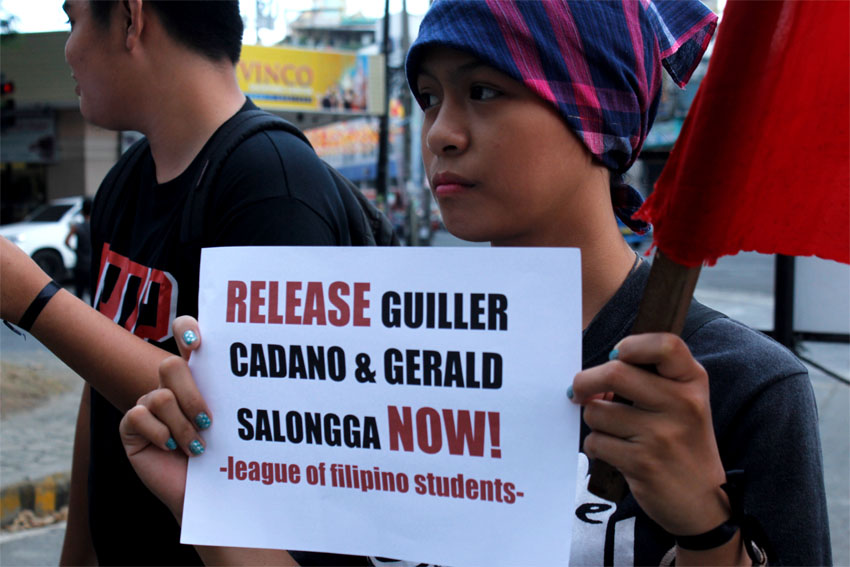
pixel 48 151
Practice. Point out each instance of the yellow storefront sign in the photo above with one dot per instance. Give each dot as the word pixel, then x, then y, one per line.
pixel 279 78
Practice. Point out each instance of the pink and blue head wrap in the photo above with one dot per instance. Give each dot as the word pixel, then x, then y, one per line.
pixel 597 61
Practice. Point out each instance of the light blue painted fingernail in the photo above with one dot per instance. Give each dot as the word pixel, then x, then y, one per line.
pixel 189 337
pixel 570 393
pixel 196 448
pixel 171 444
pixel 202 420
pixel 613 354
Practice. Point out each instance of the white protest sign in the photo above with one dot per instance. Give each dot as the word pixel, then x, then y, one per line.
pixel 394 402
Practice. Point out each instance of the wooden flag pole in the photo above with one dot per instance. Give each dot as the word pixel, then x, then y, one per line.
pixel 732 160
pixel 663 308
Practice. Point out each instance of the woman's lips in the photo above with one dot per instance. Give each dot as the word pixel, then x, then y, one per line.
pixel 447 189
pixel 446 184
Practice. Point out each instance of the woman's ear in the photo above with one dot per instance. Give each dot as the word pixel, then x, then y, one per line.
pixel 133 21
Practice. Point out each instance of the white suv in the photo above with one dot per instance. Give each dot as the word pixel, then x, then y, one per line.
pixel 42 235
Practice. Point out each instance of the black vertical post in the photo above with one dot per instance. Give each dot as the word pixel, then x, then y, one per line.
pixel 783 300
pixel 384 126
pixel 406 160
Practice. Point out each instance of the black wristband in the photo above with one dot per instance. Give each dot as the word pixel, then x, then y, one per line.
pixel 33 311
pixel 710 539
pixel 733 487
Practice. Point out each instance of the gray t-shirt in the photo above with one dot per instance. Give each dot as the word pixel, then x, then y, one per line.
pixel 765 422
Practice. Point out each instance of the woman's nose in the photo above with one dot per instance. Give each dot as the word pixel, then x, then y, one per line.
pixel 448 133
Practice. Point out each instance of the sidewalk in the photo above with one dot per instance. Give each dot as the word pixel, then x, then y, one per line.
pixel 833 399
pixel 36 444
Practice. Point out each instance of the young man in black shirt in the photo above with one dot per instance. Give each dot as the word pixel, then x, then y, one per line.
pixel 166 69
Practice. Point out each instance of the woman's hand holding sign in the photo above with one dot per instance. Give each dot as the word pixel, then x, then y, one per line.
pixel 163 429
pixel 664 444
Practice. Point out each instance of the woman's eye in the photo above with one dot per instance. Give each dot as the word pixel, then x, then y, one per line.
pixel 427 100
pixel 479 92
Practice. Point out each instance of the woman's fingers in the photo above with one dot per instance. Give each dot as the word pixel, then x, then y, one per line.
pixel 616 451
pixel 163 406
pixel 666 352
pixel 175 377
pixel 630 382
pixel 617 419
pixel 644 369
pixel 140 428
pixel 154 455
pixel 187 334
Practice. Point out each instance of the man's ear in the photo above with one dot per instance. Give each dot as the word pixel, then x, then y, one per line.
pixel 133 20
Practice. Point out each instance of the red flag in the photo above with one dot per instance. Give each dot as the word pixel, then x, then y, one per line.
pixel 763 159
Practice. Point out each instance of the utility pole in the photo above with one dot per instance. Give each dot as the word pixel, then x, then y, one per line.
pixel 407 166
pixel 384 125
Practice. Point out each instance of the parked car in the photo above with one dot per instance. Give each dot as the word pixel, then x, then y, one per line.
pixel 42 235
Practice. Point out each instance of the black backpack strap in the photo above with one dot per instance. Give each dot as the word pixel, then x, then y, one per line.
pixel 365 221
pixel 226 139
pixel 106 200
pixel 698 315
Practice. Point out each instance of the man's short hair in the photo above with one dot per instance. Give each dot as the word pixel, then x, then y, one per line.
pixel 213 28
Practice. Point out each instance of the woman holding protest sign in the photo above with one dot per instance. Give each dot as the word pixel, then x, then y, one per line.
pixel 533 110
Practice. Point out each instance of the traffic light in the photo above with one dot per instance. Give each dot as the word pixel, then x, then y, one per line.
pixel 7 109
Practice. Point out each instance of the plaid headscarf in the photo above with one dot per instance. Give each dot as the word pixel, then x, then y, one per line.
pixel 596 61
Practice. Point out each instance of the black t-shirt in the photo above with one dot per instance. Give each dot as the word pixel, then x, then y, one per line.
pixel 145 277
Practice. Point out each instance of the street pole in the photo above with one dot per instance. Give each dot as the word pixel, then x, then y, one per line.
pixel 783 301
pixel 384 124
pixel 407 169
